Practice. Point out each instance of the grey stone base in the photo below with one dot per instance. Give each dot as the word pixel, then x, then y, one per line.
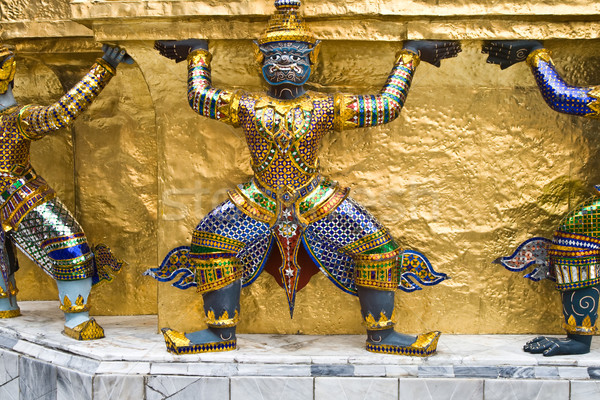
pixel 38 362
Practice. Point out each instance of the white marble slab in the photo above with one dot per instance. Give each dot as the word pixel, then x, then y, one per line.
pixel 124 368
pixel 9 366
pixel 573 373
pixel 441 389
pixel 111 387
pixel 356 388
pixel 402 370
pixel 186 388
pixel 195 369
pixel 37 380
pixel 271 388
pixel 581 390
pixel 10 390
pixel 546 372
pixel 73 385
pixel 523 389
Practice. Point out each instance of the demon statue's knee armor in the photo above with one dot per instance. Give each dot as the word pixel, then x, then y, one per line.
pixel 572 257
pixel 33 219
pixel 288 203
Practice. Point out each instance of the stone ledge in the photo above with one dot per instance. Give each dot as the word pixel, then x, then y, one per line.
pixel 132 362
pixel 97 9
pixel 43 29
pixel 384 20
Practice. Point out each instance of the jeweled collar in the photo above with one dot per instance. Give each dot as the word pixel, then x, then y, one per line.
pixel 283 106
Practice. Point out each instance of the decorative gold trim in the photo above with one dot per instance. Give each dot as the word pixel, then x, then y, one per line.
pixel 368 242
pixel 377 273
pixel 8 111
pixel 88 330
pixel 283 107
pixel 106 65
pixel 326 207
pixel 10 313
pixel 232 107
pixel 43 196
pixel 375 258
pixel 585 328
pixel 594 105
pixel 198 56
pixel 7 72
pixel 259 57
pixel 383 323
pixel 23 125
pixel 79 306
pixel 223 321
pixel 206 272
pixel 249 207
pixel 342 112
pixel 406 57
pixel 44 193
pixel 287 25
pixel 533 59
pixel 12 289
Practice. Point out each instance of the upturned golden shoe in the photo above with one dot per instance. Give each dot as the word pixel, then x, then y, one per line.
pixel 88 330
pixel 177 343
pixel 424 346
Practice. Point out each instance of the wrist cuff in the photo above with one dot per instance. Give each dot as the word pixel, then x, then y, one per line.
pixel 535 56
pixel 199 55
pixel 407 56
pixel 106 65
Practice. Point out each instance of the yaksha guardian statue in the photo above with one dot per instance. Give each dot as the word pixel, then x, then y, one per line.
pixel 288 201
pixel 33 218
pixel 572 257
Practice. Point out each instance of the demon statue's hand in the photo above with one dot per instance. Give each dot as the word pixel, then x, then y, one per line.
pixel 115 55
pixel 433 51
pixel 508 52
pixel 178 50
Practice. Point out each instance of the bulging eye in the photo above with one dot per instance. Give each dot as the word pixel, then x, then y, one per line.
pixel 295 58
pixel 274 57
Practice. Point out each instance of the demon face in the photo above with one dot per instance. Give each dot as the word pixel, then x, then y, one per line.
pixel 286 62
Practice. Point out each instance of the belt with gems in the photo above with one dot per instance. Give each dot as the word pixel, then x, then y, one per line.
pixel 16 185
pixel 301 192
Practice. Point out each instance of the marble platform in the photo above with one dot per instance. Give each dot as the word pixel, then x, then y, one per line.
pixel 38 362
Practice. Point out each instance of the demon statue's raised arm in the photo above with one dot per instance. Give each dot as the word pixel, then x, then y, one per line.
pixel 572 257
pixel 288 201
pixel 33 218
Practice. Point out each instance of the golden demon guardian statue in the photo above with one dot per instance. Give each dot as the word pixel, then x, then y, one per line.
pixel 288 201
pixel 33 218
pixel 572 257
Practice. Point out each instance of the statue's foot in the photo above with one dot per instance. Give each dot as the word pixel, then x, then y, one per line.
pixel 10 313
pixel 390 337
pixel 8 308
pixel 396 343
pixel 550 346
pixel 87 330
pixel 204 341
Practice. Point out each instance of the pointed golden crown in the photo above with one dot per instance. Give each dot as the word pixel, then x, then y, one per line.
pixel 287 25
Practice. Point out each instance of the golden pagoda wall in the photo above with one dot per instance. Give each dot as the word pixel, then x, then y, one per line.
pixel 475 164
